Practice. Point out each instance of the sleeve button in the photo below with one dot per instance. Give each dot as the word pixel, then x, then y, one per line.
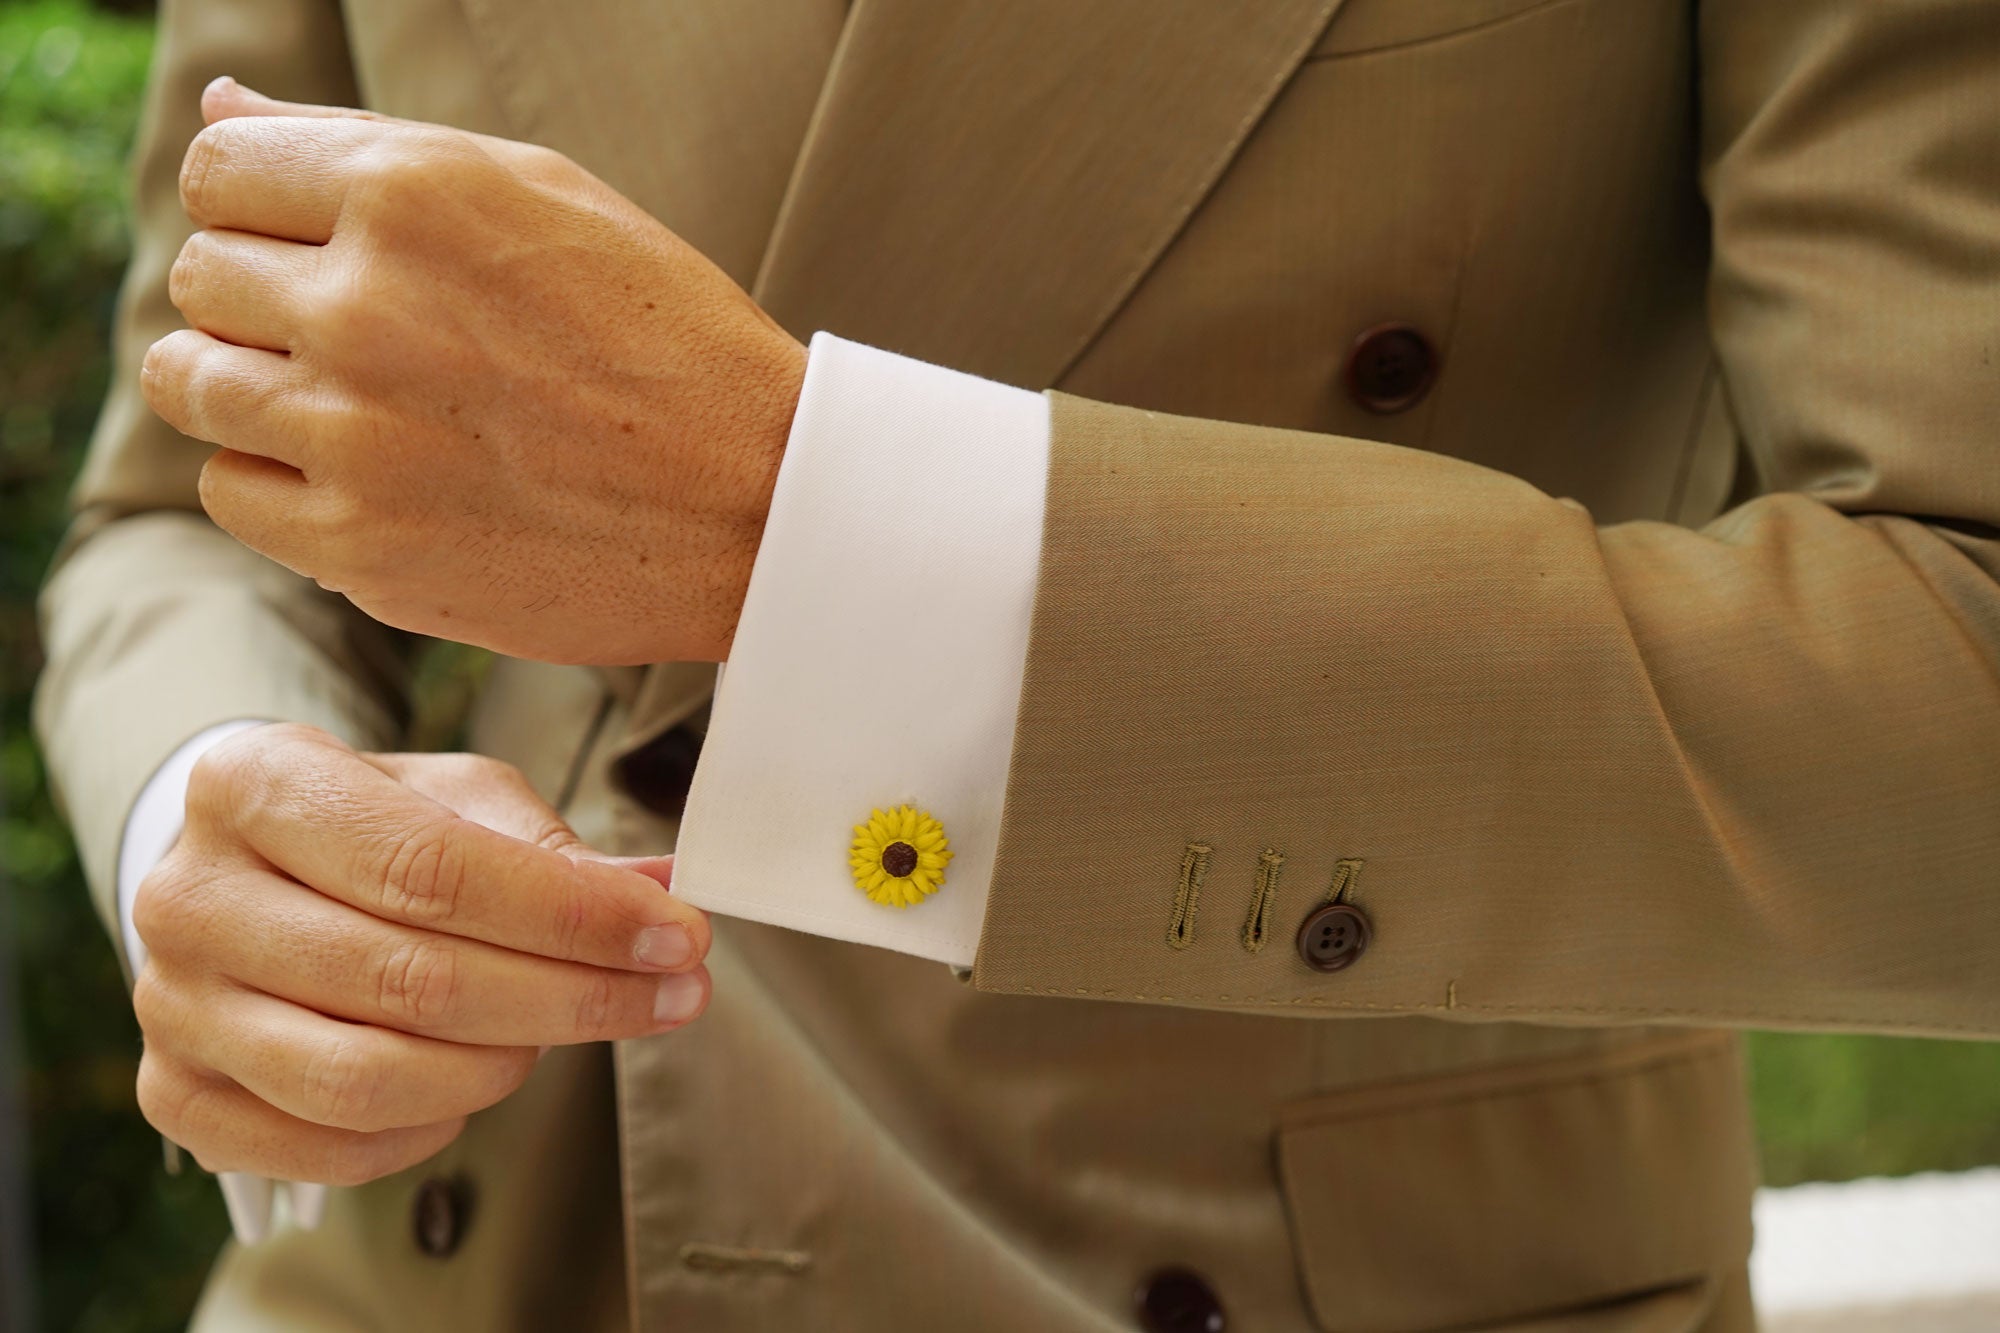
pixel 1334 936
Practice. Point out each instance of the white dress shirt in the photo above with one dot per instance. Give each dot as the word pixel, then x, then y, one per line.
pixel 877 663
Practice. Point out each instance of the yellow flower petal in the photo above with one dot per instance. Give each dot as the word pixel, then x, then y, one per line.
pixel 905 824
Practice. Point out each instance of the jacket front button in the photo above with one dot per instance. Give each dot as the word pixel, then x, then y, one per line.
pixel 438 1217
pixel 1178 1300
pixel 1390 367
pixel 1333 936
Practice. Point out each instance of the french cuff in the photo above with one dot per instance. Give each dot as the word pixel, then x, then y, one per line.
pixel 855 766
pixel 155 825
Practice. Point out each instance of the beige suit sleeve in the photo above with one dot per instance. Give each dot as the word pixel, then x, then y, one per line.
pixel 1746 775
pixel 157 624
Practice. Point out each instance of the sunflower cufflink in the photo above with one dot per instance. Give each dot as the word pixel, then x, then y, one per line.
pixel 899 856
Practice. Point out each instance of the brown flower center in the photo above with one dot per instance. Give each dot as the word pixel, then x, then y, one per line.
pixel 899 859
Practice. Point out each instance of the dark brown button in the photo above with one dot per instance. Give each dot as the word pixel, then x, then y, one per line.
pixel 1333 936
pixel 438 1216
pixel 1390 368
pixel 1178 1300
pixel 658 774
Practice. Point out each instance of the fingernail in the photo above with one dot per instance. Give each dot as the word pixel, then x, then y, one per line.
pixel 222 83
pixel 308 1204
pixel 248 1199
pixel 679 999
pixel 664 946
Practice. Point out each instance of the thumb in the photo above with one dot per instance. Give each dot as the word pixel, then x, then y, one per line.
pixel 659 868
pixel 225 97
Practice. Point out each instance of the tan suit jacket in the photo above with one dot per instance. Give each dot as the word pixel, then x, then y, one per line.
pixel 1648 662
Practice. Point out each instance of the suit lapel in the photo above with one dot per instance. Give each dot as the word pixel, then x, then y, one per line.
pixel 695 109
pixel 984 184
pixel 981 184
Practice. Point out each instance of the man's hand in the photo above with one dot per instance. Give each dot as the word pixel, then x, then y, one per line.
pixel 470 386
pixel 351 953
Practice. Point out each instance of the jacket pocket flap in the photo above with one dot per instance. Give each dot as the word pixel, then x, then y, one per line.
pixel 1511 1192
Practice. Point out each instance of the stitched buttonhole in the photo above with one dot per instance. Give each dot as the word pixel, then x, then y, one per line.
pixel 1194 868
pixel 1263 899
pixel 705 1257
pixel 1346 874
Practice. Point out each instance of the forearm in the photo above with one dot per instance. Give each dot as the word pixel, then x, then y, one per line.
pixel 1631 774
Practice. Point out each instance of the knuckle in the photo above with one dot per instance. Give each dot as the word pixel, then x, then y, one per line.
pixel 482 769
pixel 552 832
pixel 213 490
pixel 361 1158
pixel 343 525
pixel 418 983
pixel 513 1065
pixel 342 1086
pixel 169 369
pixel 541 157
pixel 424 878
pixel 219 771
pixel 597 1004
pixel 399 177
pixel 152 367
pixel 198 170
pixel 238 773
pixel 299 738
pixel 411 172
pixel 534 820
pixel 149 1002
pixel 167 1095
pixel 352 1160
pixel 152 918
pixel 180 348
pixel 187 270
pixel 157 1101
pixel 346 317
pixel 566 928
pixel 540 163
pixel 188 386
pixel 279 756
pixel 166 907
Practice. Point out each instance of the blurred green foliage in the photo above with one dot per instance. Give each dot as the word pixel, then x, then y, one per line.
pixel 1834 1108
pixel 123 1246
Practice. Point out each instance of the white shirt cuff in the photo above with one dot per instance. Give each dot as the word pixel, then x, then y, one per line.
pixel 879 656
pixel 155 825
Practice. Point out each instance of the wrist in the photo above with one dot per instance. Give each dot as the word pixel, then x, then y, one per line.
pixel 767 399
pixel 770 401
